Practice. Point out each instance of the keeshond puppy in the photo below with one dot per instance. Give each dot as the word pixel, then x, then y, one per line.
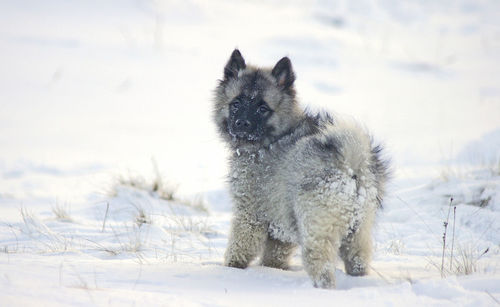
pixel 296 179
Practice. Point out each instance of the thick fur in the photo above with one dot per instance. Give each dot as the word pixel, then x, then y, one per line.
pixel 297 179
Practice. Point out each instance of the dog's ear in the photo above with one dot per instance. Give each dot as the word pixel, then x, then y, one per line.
pixel 234 65
pixel 283 73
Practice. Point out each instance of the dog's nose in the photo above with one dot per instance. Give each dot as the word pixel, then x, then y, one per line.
pixel 242 123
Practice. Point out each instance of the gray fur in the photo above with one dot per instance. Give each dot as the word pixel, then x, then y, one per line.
pixel 312 181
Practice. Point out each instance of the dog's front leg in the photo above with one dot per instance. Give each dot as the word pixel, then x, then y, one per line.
pixel 245 240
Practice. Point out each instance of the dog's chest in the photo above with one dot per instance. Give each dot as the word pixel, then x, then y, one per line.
pixel 250 178
pixel 253 182
pixel 255 185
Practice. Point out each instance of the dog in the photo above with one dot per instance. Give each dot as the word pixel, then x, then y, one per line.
pixel 296 179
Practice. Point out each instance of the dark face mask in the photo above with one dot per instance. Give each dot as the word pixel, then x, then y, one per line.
pixel 248 118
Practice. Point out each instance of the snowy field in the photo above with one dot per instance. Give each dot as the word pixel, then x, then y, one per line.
pixel 112 177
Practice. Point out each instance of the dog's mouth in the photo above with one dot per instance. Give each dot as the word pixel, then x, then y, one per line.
pixel 243 136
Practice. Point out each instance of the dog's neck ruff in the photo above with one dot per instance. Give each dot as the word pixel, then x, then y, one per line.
pixel 308 125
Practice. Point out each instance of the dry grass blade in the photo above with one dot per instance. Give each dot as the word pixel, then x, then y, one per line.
pixel 444 237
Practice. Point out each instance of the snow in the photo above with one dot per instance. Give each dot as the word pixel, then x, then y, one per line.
pixel 91 91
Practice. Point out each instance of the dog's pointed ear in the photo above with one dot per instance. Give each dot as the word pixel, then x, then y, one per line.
pixel 283 73
pixel 234 65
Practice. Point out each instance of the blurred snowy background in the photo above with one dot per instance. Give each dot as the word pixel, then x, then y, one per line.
pixel 99 85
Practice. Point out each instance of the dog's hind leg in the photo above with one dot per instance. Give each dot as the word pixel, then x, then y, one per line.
pixel 319 252
pixel 356 248
pixel 277 253
pixel 320 241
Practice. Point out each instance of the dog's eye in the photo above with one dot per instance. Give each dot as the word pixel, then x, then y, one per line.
pixel 235 105
pixel 263 109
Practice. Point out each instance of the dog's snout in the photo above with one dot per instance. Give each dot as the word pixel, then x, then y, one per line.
pixel 242 123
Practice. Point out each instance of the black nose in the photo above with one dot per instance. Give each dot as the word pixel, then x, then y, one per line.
pixel 242 123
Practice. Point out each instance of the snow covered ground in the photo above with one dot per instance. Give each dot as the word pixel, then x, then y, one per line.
pixel 91 92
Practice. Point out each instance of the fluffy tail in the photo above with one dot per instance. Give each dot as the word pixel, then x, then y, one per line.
pixel 380 167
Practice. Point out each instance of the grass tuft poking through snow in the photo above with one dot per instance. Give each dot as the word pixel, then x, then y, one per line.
pixel 466 262
pixel 41 234
pixel 141 217
pixel 157 188
pixel 61 213
pixel 476 194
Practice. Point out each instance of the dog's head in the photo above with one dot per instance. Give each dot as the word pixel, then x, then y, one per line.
pixel 254 106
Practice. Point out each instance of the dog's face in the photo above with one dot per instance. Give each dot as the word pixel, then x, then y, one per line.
pixel 255 106
pixel 249 113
